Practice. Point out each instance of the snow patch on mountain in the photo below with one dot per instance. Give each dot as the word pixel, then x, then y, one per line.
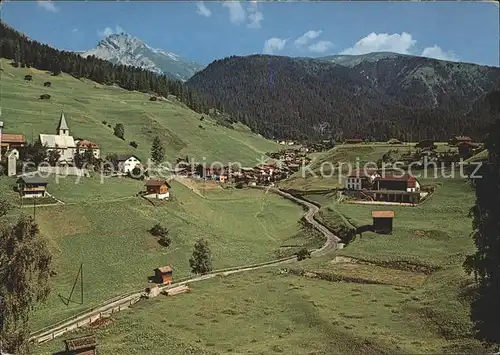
pixel 125 49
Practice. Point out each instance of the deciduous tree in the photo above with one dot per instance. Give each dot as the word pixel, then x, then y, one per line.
pixel 201 260
pixel 119 131
pixel 25 265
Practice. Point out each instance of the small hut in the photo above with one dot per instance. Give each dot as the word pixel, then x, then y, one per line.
pixel 83 346
pixel 163 275
pixel 382 221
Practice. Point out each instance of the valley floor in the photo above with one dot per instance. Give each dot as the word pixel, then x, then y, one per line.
pixel 403 293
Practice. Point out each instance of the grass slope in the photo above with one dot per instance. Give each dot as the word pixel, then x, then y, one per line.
pixel 403 293
pixel 110 238
pixel 86 104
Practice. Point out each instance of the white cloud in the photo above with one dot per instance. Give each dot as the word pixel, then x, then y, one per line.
pixel 274 44
pixel 437 53
pixel 307 37
pixel 398 43
pixel 320 46
pixel 202 10
pixel 254 16
pixel 383 42
pixel 109 31
pixel 48 5
pixel 237 13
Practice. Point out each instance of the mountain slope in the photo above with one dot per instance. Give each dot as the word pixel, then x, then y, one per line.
pixel 87 105
pixel 403 96
pixel 128 50
pixel 425 82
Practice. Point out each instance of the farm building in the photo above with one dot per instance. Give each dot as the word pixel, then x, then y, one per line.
pixel 394 141
pixel 382 221
pixel 426 144
pixel 62 141
pixel 158 188
pixel 466 149
pixel 12 158
pixel 32 186
pixel 9 141
pixel 84 144
pixel 361 179
pixel 127 163
pixel 406 183
pixel 353 141
pixel 163 275
pixel 82 346
pixel 460 139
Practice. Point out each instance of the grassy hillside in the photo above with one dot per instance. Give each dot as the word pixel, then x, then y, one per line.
pixel 105 227
pixel 86 105
pixel 399 293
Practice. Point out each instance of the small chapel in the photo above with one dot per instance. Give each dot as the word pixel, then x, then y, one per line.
pixel 62 141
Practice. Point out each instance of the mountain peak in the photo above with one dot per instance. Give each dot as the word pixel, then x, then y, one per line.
pixel 126 49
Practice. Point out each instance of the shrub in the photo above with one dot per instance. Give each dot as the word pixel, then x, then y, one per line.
pixel 202 118
pixel 200 126
pixel 303 254
pixel 45 97
pixel 158 230
pixel 104 122
pixel 119 131
pixel 28 78
pixel 134 144
pixel 47 84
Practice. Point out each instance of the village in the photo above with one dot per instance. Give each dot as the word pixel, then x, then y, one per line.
pixel 363 185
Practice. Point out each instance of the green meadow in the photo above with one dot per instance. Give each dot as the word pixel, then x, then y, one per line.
pixel 111 239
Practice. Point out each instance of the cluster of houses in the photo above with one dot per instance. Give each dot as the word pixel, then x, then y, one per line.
pixel 281 166
pixel 368 184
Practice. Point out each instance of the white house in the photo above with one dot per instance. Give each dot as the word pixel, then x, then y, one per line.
pixel 61 141
pixel 360 179
pixel 127 163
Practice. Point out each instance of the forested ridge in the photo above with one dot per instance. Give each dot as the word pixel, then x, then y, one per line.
pixel 25 52
pixel 282 97
pixel 286 97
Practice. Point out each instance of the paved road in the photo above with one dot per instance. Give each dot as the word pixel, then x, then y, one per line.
pixel 332 242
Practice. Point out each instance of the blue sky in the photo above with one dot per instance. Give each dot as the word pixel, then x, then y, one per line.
pixel 204 31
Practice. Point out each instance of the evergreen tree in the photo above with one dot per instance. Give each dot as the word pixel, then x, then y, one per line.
pixel 53 156
pixel 35 152
pixel 25 265
pixel 485 263
pixel 157 151
pixel 119 131
pixel 201 260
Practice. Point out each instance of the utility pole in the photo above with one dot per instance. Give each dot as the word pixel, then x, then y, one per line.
pixel 81 282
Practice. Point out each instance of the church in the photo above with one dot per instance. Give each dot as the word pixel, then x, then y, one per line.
pixel 62 141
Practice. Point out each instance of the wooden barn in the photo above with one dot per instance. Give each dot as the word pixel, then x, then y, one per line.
pixel 163 275
pixel 82 346
pixel 460 139
pixel 382 221
pixel 158 187
pixel 32 186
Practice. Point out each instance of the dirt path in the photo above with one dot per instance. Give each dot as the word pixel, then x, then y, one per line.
pixel 123 302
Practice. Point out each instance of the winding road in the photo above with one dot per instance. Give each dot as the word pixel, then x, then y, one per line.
pixel 123 302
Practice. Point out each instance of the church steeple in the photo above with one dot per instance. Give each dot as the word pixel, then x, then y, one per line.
pixel 62 129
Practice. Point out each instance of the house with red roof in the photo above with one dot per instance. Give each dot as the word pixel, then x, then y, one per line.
pixel 405 182
pixel 83 145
